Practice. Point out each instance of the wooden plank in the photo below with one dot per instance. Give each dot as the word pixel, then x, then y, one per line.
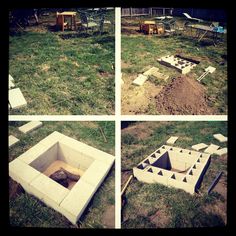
pixel 126 185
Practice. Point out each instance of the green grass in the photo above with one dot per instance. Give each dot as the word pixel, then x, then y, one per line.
pixel 140 51
pixel 63 73
pixel 27 211
pixel 181 209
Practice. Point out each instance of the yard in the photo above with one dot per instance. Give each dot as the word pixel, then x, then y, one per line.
pixel 66 73
pixel 158 206
pixel 140 52
pixel 27 211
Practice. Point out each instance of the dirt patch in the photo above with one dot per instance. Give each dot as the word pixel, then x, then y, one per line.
pixel 14 188
pixel 161 219
pixel 130 30
pixel 140 130
pixel 138 99
pixel 183 96
pixel 108 219
pixel 218 208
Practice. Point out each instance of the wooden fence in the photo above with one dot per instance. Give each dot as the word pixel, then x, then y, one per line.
pixel 152 11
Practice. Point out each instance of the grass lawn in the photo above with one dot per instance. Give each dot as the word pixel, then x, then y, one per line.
pixel 158 206
pixel 140 52
pixel 63 72
pixel 27 211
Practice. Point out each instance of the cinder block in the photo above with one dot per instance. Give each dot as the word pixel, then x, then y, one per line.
pixel 199 146
pixel 12 140
pixel 77 200
pixel 16 98
pixel 30 126
pixel 172 140
pixel 221 151
pixel 221 138
pixel 140 80
pixel 212 148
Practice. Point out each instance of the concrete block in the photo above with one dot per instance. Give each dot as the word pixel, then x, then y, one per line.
pixel 10 78
pixel 152 71
pixel 60 148
pixel 221 138
pixel 140 80
pixel 12 140
pixel 11 84
pixel 22 173
pixel 163 166
pixel 96 173
pixel 221 151
pixel 45 189
pixel 33 153
pixel 199 146
pixel 30 126
pixel 77 200
pixel 212 148
pixel 210 69
pixel 172 140
pixel 16 98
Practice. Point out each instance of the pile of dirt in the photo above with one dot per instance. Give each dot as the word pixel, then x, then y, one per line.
pixel 183 96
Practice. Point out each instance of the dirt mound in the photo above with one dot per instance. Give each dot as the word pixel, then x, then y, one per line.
pixel 183 96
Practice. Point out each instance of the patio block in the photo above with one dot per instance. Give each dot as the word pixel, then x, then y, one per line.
pixel 16 98
pixel 12 140
pixel 30 126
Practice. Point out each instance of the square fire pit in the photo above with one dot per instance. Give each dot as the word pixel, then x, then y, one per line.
pixel 175 167
pixel 33 169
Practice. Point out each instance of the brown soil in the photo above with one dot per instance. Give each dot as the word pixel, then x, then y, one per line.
pixel 161 219
pixel 14 188
pixel 183 96
pixel 108 219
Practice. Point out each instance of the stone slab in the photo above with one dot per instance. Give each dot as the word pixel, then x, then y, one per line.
pixel 140 80
pixel 30 126
pixel 172 140
pixel 199 146
pixel 211 149
pixel 221 138
pixel 16 98
pixel 12 140
pixel 221 151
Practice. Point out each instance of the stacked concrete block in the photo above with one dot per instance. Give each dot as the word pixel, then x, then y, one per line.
pixel 28 170
pixel 173 167
pixel 30 126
